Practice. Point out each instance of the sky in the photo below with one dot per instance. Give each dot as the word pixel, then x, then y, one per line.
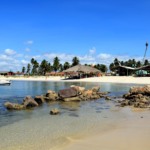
pixel 96 31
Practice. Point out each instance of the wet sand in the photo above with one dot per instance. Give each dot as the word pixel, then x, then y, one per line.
pixel 133 133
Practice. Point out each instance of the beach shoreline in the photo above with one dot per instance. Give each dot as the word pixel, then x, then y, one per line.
pixel 103 79
pixel 132 133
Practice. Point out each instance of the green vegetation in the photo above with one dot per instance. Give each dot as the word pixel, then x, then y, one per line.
pixel 35 68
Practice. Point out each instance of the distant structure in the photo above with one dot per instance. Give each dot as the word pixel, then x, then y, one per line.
pixel 125 70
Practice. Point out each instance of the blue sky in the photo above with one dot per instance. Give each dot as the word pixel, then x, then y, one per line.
pixel 96 31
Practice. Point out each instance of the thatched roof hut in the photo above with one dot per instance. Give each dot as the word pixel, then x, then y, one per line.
pixel 82 69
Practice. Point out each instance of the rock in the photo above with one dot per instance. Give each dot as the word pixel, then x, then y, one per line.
pixel 107 98
pixel 77 98
pixel 39 99
pixel 51 96
pixel 50 92
pixel 67 93
pixel 13 106
pixel 54 111
pixel 145 90
pixel 96 89
pixel 79 89
pixel 29 102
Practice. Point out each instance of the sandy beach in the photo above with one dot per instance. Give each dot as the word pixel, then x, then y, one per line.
pixel 103 79
pixel 131 133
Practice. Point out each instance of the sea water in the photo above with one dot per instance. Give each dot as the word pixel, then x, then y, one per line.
pixel 37 129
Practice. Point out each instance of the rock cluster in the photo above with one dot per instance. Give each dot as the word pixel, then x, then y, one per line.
pixel 138 97
pixel 74 93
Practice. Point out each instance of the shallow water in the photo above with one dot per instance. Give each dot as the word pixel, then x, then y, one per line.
pixel 36 129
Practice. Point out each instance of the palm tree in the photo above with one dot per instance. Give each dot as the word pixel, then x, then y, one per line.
pixel 56 64
pixel 28 69
pixel 35 66
pixel 146 62
pixel 23 69
pixel 75 61
pixel 66 65
pixel 145 51
pixel 112 67
pixel 44 67
pixel 138 64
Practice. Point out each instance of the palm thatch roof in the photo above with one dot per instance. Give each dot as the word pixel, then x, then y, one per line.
pixel 147 67
pixel 83 69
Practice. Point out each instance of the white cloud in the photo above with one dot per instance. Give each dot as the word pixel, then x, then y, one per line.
pixel 30 42
pixel 11 60
pixel 27 49
pixel 92 51
pixel 10 52
pixel 104 56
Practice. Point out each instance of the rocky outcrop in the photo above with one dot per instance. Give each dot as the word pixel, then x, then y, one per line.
pixel 137 97
pixel 72 94
pixel 13 106
pixel 29 102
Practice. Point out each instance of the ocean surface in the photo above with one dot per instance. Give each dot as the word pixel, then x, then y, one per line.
pixel 37 129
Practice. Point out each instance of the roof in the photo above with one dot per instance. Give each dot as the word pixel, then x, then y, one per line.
pixel 82 68
pixel 5 71
pixel 147 67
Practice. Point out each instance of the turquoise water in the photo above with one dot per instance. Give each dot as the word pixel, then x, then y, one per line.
pixel 36 129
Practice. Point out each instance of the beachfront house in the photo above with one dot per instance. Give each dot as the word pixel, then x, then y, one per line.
pixel 127 71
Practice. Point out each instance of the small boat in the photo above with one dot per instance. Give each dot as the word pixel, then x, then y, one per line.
pixel 5 82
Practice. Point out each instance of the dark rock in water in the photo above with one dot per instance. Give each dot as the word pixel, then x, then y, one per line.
pixel 13 106
pixel 39 99
pixel 67 93
pixel 54 111
pixel 29 102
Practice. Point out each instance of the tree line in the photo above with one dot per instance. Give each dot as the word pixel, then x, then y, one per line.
pixel 130 63
pixel 36 68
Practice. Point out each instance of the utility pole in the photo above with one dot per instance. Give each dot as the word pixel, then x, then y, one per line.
pixel 145 52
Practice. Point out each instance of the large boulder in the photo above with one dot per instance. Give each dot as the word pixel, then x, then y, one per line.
pixel 13 106
pixel 67 93
pixel 79 89
pixel 29 102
